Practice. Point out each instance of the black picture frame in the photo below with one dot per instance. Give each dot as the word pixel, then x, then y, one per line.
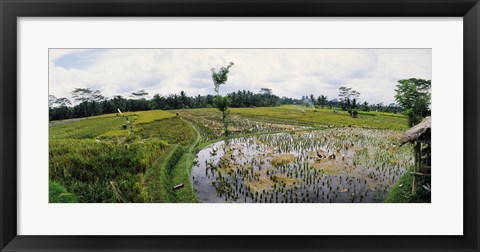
pixel 10 10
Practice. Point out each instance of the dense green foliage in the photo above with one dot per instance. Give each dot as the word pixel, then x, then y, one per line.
pixel 61 108
pixel 247 99
pixel 58 194
pixel 402 191
pixel 103 171
pixel 414 96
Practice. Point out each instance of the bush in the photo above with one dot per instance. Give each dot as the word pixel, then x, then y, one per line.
pixel 354 113
pixel 58 194
pixel 402 191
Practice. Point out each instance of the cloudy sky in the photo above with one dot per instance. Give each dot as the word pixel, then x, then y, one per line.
pixel 288 72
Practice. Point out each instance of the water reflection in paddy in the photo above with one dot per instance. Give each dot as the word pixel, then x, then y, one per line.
pixel 332 165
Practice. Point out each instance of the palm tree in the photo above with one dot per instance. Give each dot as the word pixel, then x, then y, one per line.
pixel 322 100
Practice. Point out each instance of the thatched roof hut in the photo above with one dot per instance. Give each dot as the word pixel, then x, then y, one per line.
pixel 420 132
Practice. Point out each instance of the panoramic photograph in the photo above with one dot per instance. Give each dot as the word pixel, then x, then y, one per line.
pixel 240 125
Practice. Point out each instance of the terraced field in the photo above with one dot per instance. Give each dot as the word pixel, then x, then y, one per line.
pixel 97 160
pixel 286 118
pixel 276 154
pixel 329 165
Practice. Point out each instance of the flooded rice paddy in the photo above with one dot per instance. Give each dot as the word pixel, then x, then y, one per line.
pixel 339 165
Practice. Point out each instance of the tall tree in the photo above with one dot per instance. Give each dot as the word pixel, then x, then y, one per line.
pixel 221 76
pixel 348 93
pixel 365 106
pixel 118 102
pixel 51 100
pixel 58 108
pixel 414 96
pixel 312 100
pixel 184 100
pixel 85 96
pixel 220 102
pixel 266 91
pixel 63 102
pixel 322 100
pixel 140 94
pixel 348 98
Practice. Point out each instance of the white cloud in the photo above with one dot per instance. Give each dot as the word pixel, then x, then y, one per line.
pixel 288 72
pixel 56 54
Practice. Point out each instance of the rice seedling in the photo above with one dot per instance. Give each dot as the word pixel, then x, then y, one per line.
pixel 330 165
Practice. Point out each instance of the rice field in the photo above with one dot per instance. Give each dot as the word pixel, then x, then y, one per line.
pixel 285 118
pixel 337 165
pixel 287 154
pixel 98 160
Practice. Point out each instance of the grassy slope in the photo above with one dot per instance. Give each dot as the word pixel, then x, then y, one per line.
pixel 297 114
pixel 119 166
pixel 402 191
pixel 209 123
pixel 167 173
pixel 183 169
pixel 106 171
pixel 154 185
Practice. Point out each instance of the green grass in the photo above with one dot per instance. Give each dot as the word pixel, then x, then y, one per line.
pixel 85 129
pixel 285 118
pixel 183 169
pixel 143 116
pixel 181 175
pixel 154 187
pixel 402 191
pixel 173 130
pixel 97 161
pixel 177 168
pixel 58 194
pixel 109 125
pixel 103 171
pixel 152 115
pixel 296 114
pixel 167 172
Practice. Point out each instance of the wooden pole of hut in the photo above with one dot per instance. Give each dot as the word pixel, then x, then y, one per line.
pixel 416 165
pixel 418 134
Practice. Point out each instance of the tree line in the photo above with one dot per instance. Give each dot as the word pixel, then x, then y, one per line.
pixel 92 102
pixel 412 95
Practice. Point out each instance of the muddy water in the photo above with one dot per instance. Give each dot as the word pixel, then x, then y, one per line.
pixel 327 166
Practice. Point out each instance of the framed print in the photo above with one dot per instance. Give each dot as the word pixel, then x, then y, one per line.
pixel 210 125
